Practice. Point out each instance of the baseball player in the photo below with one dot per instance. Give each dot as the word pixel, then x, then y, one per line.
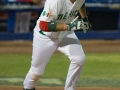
pixel 55 30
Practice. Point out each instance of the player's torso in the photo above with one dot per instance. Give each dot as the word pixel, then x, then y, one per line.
pixel 66 12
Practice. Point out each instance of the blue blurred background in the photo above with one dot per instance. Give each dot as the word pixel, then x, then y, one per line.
pixel 104 16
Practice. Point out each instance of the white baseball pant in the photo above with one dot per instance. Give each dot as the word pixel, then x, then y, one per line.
pixel 43 49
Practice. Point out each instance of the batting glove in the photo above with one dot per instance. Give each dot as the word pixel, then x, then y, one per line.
pixel 78 24
pixel 85 24
pixel 74 25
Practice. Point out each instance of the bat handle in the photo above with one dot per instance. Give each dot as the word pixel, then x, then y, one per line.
pixel 75 19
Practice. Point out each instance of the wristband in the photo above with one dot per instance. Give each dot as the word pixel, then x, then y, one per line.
pixel 52 26
pixel 85 19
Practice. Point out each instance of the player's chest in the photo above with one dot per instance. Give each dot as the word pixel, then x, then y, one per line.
pixel 69 10
pixel 67 14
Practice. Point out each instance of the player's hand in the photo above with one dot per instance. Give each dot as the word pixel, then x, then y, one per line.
pixel 74 25
pixel 77 24
pixel 85 24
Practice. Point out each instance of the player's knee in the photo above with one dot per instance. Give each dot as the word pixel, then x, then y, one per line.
pixel 35 77
pixel 79 60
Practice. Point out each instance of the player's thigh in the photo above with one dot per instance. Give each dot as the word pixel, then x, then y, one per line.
pixel 42 51
pixel 71 47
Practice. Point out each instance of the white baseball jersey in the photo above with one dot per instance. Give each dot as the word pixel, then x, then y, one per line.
pixel 61 11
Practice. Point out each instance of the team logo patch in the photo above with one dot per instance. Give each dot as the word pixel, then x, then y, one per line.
pixel 44 13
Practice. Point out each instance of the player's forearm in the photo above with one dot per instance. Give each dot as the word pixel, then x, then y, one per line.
pixel 61 27
pixel 82 11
